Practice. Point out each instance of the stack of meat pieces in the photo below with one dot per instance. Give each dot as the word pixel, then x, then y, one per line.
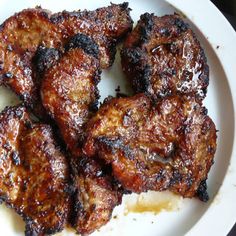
pixel 159 139
pixel 53 63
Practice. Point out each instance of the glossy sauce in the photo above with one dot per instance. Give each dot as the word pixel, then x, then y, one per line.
pixel 154 202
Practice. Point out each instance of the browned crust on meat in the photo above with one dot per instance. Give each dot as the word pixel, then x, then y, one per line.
pixel 166 145
pixel 69 94
pixel 162 57
pixel 34 175
pixel 107 26
pixel 20 36
pixel 23 33
pixel 95 197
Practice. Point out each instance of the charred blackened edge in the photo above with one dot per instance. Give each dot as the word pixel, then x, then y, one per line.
pixel 84 42
pixel 111 49
pixel 141 82
pixel 132 55
pixel 95 167
pixel 93 106
pixel 44 58
pixel 121 95
pixel 123 6
pixel 89 166
pixel 176 178
pixel 201 192
pixel 204 76
pixel 59 17
pixel 44 13
pixel 114 145
pixel 136 69
pixel 76 206
pixel 97 75
pixel 145 27
pixel 179 23
pixel 64 15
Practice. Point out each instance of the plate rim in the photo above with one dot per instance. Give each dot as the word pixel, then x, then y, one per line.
pixel 211 221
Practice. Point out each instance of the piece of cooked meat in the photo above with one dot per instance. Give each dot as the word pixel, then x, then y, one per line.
pixel 162 56
pixel 95 197
pixel 107 26
pixel 33 173
pixel 166 145
pixel 69 90
pixel 22 34
pixel 69 94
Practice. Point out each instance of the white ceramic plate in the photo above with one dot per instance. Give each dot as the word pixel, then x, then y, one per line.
pixel 189 217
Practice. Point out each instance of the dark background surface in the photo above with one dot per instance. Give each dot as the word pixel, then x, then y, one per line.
pixel 228 8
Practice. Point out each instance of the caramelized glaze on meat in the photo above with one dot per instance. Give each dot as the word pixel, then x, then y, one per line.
pixel 166 145
pixel 20 36
pixel 96 195
pixel 106 26
pixel 162 56
pixel 23 33
pixel 69 90
pixel 33 173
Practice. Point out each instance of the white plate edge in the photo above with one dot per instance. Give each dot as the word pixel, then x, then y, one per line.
pixel 191 9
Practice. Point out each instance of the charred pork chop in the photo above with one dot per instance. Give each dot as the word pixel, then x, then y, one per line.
pixel 167 145
pixel 69 94
pixel 33 173
pixel 69 90
pixel 162 56
pixel 96 195
pixel 22 34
